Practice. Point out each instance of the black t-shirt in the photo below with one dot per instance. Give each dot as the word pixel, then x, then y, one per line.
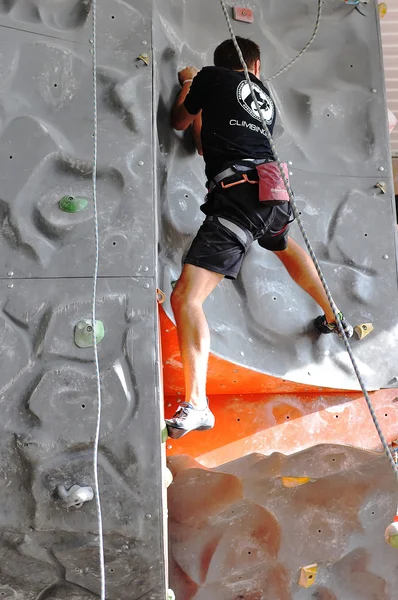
pixel 231 127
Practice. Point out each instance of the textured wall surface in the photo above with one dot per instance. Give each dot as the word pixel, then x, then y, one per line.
pixel 237 533
pixel 47 383
pixel 332 127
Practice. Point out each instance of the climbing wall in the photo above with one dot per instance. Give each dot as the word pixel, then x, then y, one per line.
pixel 246 529
pixel 47 383
pixel 332 129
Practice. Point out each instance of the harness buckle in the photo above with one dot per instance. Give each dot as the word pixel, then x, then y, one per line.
pixel 244 179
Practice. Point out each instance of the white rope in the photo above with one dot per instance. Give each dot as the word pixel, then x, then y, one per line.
pixel 304 50
pixel 94 305
pixel 309 246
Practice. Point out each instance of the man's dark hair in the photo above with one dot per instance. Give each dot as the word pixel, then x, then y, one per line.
pixel 225 55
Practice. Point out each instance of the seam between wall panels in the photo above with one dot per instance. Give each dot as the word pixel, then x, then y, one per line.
pixel 164 550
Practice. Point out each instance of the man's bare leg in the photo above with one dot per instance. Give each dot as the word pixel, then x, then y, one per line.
pixel 192 289
pixel 302 270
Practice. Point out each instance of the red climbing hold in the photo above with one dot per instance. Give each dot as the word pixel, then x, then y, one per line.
pixel 243 14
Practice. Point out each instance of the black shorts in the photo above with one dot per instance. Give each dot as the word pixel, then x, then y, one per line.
pixel 223 240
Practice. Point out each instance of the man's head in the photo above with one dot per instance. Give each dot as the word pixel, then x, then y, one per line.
pixel 225 55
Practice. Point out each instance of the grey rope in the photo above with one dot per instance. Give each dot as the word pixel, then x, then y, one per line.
pixel 309 246
pixel 308 44
pixel 94 305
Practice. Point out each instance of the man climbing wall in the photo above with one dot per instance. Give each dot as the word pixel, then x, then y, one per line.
pixel 245 203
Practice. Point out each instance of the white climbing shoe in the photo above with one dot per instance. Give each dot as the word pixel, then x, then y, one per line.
pixel 187 419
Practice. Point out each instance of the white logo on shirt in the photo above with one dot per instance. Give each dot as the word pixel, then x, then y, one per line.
pixel 246 101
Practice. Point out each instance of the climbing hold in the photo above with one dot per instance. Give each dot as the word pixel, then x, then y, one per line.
pixel 72 204
pixel 391 534
pixel 76 496
pixel 356 4
pixel 243 14
pixel 393 383
pixel 168 477
pixel 363 330
pixel 382 9
pixel 144 57
pixel 307 575
pixel 291 482
pixel 84 334
pixel 164 432
pixel 382 187
pixel 171 595
pixel 394 450
pixel 174 283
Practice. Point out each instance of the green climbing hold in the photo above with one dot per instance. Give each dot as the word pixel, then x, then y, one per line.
pixel 171 595
pixel 84 334
pixel 71 204
pixel 164 432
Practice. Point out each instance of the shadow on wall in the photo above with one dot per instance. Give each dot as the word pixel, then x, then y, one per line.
pixel 329 128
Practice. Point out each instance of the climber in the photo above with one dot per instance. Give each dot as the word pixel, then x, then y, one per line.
pixel 233 144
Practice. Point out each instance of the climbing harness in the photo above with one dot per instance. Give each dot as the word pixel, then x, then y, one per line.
pixel 271 188
pixel 306 239
pixel 244 179
pixel 94 304
pixel 234 171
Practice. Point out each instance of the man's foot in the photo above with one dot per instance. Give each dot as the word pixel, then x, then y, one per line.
pixel 187 419
pixel 323 326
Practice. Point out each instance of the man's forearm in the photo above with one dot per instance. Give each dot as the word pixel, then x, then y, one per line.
pixel 179 102
pixel 196 133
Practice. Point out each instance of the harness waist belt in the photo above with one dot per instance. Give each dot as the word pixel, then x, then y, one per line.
pixel 231 172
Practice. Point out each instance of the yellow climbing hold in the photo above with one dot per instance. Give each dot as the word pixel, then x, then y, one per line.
pixel 308 575
pixel 363 330
pixel 291 482
pixel 382 9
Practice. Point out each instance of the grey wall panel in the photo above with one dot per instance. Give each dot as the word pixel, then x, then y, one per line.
pixel 47 384
pixel 46 151
pixel 70 20
pixel 48 410
pixel 332 128
pixel 36 562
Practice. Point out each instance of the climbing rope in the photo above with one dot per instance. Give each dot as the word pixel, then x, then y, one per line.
pixel 304 50
pixel 94 304
pixel 308 243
